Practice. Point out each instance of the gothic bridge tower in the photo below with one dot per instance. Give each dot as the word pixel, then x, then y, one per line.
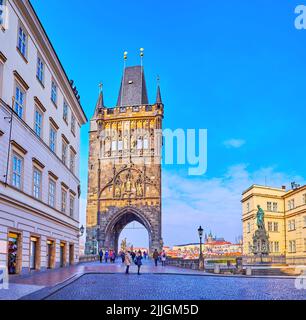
pixel 124 182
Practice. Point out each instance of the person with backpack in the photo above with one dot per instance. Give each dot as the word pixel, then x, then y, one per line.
pixel 155 257
pixel 138 261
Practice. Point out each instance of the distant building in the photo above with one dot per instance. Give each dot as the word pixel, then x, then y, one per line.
pixel 211 246
pixel 285 219
pixel 40 121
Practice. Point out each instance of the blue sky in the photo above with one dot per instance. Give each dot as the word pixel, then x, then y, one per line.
pixel 235 67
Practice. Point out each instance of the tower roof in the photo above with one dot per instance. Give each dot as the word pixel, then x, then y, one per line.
pixel 133 89
pixel 100 103
pixel 158 96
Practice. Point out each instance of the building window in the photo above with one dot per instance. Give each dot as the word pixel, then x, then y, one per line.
pixel 51 196
pixel 291 204
pixel 248 207
pixel 250 248
pixel 17 171
pixel 22 41
pixel 37 176
pixel 271 246
pixel 249 227
pixel 54 92
pixel 19 101
pixel 64 152
pixel 275 225
pixel 305 244
pixel 1 77
pixel 64 201
pixel 40 70
pixel 304 198
pixel 38 123
pixel 72 161
pixel 52 142
pixel 269 206
pixel 1 12
pixel 291 225
pixel 71 206
pixel 292 246
pixel 275 207
pixel 304 221
pixel 270 226
pixel 73 124
pixel 276 246
pixel 37 183
pixel 65 112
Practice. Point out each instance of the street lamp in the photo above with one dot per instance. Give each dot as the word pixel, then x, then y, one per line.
pixel 201 262
pixel 82 229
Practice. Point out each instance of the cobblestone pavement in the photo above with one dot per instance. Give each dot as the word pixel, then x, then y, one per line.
pixel 154 278
pixel 177 287
pixel 21 286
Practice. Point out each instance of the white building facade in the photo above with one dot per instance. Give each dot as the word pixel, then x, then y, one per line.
pixel 40 121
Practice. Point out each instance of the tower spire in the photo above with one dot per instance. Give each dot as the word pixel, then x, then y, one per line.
pixel 100 102
pixel 158 95
pixel 125 57
pixel 141 69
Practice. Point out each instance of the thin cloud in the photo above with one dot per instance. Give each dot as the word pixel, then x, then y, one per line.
pixel 234 143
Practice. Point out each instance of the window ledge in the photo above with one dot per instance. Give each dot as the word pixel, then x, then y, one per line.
pixel 22 56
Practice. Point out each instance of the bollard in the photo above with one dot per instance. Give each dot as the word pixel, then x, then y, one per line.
pixel 248 271
pixel 217 269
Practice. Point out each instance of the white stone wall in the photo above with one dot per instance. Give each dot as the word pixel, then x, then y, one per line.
pixel 18 209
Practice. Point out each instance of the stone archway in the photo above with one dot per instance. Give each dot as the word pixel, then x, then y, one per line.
pixel 113 223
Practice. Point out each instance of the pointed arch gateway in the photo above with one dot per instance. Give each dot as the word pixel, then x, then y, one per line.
pixel 120 220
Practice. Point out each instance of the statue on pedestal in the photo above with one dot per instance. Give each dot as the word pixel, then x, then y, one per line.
pixel 261 237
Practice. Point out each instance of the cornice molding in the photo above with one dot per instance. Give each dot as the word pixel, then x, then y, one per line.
pixel 19 78
pixel 19 147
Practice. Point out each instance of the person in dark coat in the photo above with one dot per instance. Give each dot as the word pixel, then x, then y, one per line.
pixel 106 256
pixel 101 255
pixel 138 261
pixel 155 257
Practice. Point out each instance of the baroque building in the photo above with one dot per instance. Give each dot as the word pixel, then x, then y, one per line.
pixel 40 121
pixel 124 167
pixel 285 220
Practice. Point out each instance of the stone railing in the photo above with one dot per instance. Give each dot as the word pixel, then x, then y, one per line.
pixel 181 263
pixel 276 260
pixel 88 258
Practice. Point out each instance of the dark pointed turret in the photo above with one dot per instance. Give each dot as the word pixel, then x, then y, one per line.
pixel 133 89
pixel 158 96
pixel 100 102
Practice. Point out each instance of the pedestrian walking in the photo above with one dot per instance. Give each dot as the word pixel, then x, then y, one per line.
pixel 127 261
pixel 138 261
pixel 163 258
pixel 113 256
pixel 101 255
pixel 155 257
pixel 106 256
pixel 122 256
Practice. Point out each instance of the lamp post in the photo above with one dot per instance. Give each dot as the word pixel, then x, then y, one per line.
pixel 201 262
pixel 82 229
